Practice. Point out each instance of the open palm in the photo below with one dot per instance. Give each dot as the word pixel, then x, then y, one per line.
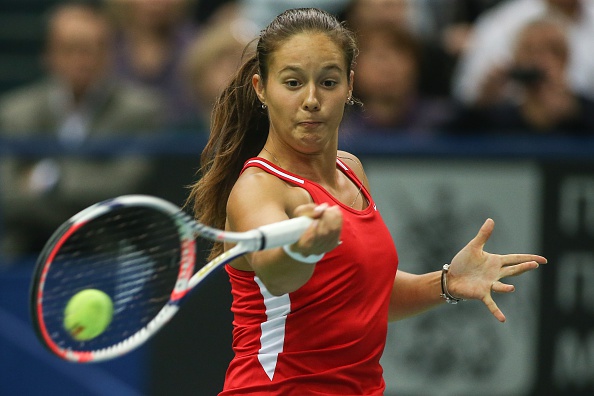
pixel 474 273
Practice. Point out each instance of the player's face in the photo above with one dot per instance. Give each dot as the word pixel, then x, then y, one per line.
pixel 306 91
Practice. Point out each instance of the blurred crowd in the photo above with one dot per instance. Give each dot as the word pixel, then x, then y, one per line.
pixel 130 68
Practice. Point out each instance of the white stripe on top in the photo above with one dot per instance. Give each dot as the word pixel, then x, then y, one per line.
pixel 272 339
pixel 342 165
pixel 273 169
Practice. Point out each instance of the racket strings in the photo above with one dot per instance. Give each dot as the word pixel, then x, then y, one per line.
pixel 132 254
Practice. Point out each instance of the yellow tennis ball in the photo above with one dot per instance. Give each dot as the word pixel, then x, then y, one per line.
pixel 87 314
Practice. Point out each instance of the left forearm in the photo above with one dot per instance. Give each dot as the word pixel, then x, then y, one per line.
pixel 414 294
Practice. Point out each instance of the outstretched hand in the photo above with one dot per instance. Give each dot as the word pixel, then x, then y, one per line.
pixel 474 273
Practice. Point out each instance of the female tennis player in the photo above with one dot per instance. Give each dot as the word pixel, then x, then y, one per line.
pixel 311 318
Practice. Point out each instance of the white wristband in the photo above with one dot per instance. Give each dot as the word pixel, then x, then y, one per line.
pixel 311 259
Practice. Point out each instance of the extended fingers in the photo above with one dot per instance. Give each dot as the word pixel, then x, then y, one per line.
pixel 484 233
pixel 513 259
pixel 518 269
pixel 492 306
pixel 499 287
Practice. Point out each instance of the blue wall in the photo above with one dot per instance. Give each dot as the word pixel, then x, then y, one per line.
pixel 26 368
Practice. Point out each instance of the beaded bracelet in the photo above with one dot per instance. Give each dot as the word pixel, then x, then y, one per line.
pixel 445 294
pixel 311 259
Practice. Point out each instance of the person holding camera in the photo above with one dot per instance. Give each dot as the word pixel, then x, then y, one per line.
pixel 495 31
pixel 532 94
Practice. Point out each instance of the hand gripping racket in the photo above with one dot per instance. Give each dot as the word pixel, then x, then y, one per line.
pixel 140 250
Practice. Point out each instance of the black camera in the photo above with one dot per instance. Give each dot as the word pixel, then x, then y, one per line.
pixel 526 75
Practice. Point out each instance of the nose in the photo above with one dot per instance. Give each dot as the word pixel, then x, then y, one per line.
pixel 311 102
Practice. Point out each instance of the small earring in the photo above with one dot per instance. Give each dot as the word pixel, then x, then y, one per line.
pixel 264 107
pixel 350 101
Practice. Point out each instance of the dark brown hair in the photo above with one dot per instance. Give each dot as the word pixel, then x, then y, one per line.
pixel 239 126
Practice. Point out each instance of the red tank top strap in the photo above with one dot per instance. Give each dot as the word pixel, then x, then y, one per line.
pixel 350 173
pixel 269 167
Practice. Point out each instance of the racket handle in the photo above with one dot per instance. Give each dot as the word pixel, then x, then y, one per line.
pixel 284 232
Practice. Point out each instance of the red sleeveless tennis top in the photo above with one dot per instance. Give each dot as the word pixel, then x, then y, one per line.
pixel 327 337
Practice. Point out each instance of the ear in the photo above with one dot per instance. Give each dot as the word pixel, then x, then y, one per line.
pixel 259 87
pixel 351 82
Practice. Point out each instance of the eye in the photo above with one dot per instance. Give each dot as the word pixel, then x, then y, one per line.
pixel 329 83
pixel 292 83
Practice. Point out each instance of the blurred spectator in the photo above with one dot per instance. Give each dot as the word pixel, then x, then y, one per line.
pixel 214 57
pixel 262 12
pixel 543 101
pixel 490 49
pixel 405 14
pixel 152 38
pixel 204 10
pixel 386 81
pixel 452 23
pixel 78 101
pixel 420 17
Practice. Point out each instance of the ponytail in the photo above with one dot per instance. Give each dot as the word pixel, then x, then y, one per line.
pixel 239 129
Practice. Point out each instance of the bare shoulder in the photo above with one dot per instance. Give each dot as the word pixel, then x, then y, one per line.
pixel 355 164
pixel 255 185
pixel 259 198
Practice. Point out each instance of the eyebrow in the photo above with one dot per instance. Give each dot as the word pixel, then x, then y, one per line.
pixel 298 69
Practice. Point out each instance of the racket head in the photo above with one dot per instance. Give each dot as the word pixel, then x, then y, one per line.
pixel 140 250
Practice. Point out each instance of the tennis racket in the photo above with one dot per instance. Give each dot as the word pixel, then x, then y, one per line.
pixel 141 251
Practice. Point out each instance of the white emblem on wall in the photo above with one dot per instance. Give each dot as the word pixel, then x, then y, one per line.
pixel 433 209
